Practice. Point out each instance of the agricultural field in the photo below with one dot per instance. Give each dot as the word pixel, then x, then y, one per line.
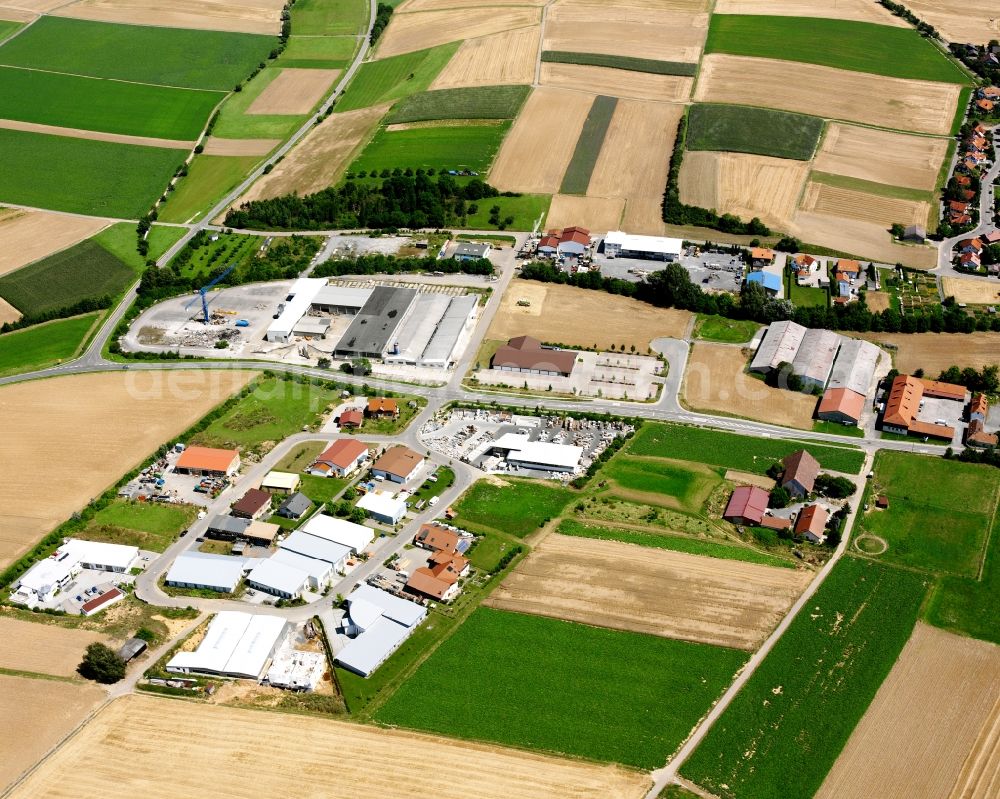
pixel 654 591
pixel 118 418
pixel 517 507
pixel 588 147
pixel 797 708
pixel 594 213
pixel 45 344
pixel 628 63
pixel 759 131
pixel 328 17
pixel 867 240
pixel 148 526
pixel 935 352
pixel 260 16
pixel 32 235
pixel 724 330
pixel 471 147
pixel 849 203
pixel 673 484
pixel 317 52
pixel 360 756
pixel 235 121
pixel 42 648
pixel 858 10
pixel 293 92
pixel 937 712
pixel 239 147
pixel 501 59
pixel 647 691
pixel 485 102
pixel 617 82
pixel 971 292
pixel 391 79
pixel 959 21
pixel 208 179
pixel 418 31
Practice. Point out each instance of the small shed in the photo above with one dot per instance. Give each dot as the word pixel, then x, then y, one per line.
pixel 132 648
pixel 882 501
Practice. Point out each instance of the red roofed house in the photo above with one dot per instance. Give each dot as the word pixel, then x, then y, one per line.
pixel 436 538
pixel 208 461
pixel 747 505
pixel 970 260
pixel 526 354
pixel 984 105
pixel 572 241
pixel 841 405
pixel 993 237
pixel 380 407
pixel 761 256
pixel 812 523
pixel 957 207
pixel 970 245
pixel 352 418
pixel 339 459
pixel 976 435
pixel 801 471
pixel 849 267
pixel 979 408
pixel 423 583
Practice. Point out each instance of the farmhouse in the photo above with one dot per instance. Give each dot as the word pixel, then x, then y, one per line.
pixel 382 507
pixel 979 408
pixel 436 538
pixel 280 482
pixel 208 462
pixel 906 396
pixel 800 473
pixel 470 251
pixel 770 281
pixel 976 435
pixel 545 456
pixel 203 570
pixel 340 531
pixel 527 355
pixel 227 528
pixel 380 623
pixel 841 405
pixel 279 578
pixel 814 360
pixel 654 248
pixel 747 505
pixel 43 581
pixel 398 464
pixel 571 241
pixel 316 548
pixel 236 644
pixel 812 523
pixel 780 344
pixel 340 459
pixel 252 505
pixel 295 506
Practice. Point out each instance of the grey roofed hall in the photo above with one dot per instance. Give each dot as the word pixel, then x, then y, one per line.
pixel 293 507
pixel 450 327
pixel 814 360
pixel 229 524
pixel 780 345
pixel 855 366
pixel 314 547
pixel 377 322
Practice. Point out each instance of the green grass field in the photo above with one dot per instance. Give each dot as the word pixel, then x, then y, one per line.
pixel 734 451
pixel 145 525
pixel 856 46
pixel 119 240
pixel 104 105
pixel 468 147
pixel 785 729
pixel 328 17
pixel 235 123
pixel 588 146
pixel 628 63
pixel 318 52
pixel 805 296
pixel 689 485
pixel 84 271
pixel 526 209
pixel 518 508
pixel 727 331
pixel 484 102
pixel 209 178
pixel 761 131
pixel 194 59
pixel 395 78
pixel 43 345
pixel 547 684
pixel 870 187
pixel 7 27
pixel 83 176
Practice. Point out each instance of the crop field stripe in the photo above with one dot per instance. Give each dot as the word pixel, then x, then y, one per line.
pixel 843 44
pixel 469 147
pixel 650 65
pixel 481 102
pixel 871 187
pixel 588 146
pixel 38 346
pixel 747 129
pixel 395 78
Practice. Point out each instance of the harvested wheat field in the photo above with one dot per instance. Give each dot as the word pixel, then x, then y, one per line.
pixel 12 14
pixel 117 418
pixel 240 147
pixel 247 16
pixel 441 5
pixel 617 82
pixel 127 747
pixel 715 380
pixel 935 352
pixel 32 235
pixel 976 21
pixel 903 160
pixel 654 591
pixel 94 135
pixel 624 10
pixel 821 198
pixel 856 10
pixel 536 152
pixel 506 58
pixel 745 185
pixel 973 292
pixel 31 6
pixel 42 648
pixel 8 313
pixel 408 33
pixel 582 317
pixel 864 239
pixel 593 213
pixel 665 37
pixel 933 728
pixel 294 91
pixel 915 105
pixel 878 301
pixel 749 478
pixel 37 714
pixel 644 215
pixel 321 157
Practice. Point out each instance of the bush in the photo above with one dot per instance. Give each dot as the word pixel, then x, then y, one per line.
pixel 834 487
pixel 102 664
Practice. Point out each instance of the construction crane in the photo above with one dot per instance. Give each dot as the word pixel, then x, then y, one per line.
pixel 204 290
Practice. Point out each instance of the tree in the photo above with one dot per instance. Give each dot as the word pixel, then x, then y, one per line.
pixel 102 664
pixel 780 497
pixel 897 230
pixel 357 516
pixel 834 487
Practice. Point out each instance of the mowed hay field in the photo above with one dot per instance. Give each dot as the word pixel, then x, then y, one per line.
pixel 37 714
pixel 857 10
pixel 534 155
pixel 869 240
pixel 408 33
pixel 921 106
pixel 246 16
pixel 617 82
pixel 294 91
pixel 973 292
pixel 822 198
pixel 716 380
pixel 960 20
pixel 126 748
pixel 655 591
pixel 881 156
pixel 42 648
pixel 115 420
pixel 935 352
pixel 506 58
pixel 29 236
pixel 933 728
pixel 744 185
pixel 583 318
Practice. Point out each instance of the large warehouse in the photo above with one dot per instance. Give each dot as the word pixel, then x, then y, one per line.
pixel 43 581
pixel 780 345
pixel 618 244
pixel 855 366
pixel 205 570
pixel 236 644
pixel 434 330
pixel 376 325
pixel 544 456
pixel 814 360
pixel 379 622
pixel 527 355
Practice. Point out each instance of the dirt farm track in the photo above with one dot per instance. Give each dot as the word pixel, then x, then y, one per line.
pixel 156 748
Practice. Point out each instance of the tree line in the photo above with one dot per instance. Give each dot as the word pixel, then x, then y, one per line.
pixel 77 308
pixel 379 264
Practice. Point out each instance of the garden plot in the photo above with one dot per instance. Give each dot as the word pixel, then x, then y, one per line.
pixel 247 16
pixel 821 198
pixel 617 82
pixel 408 33
pixel 506 58
pixel 42 648
pixel 294 91
pixel 32 235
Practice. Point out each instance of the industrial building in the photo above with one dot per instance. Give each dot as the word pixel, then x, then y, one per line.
pixel 236 644
pixel 208 462
pixel 294 670
pixel 296 305
pixel 398 464
pixel 340 531
pixel 227 528
pixel 312 546
pixel 780 344
pixel 906 399
pixel 43 581
pixel 526 355
pixel 618 244
pixel 855 366
pixel 379 623
pixel 319 572
pixel 769 280
pixel 276 577
pixel 471 250
pixel 382 507
pixel 813 362
pixel 571 241
pixel 522 453
pixel 841 405
pixel 206 571
pixel 375 326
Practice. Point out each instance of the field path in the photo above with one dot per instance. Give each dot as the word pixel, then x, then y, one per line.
pixel 79 133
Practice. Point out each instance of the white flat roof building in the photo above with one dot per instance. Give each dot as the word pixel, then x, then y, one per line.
pixel 519 451
pixel 341 300
pixel 204 570
pixel 101 556
pixel 295 670
pixel 280 481
pixel 354 536
pixel 443 348
pixel 383 507
pixel 413 337
pixel 320 571
pixel 780 344
pixel 280 579
pixel 618 243
pixel 302 293
pixel 43 580
pixel 312 546
pixel 382 622
pixel 236 644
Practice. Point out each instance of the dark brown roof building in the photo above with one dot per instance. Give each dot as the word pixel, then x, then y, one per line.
pixel 801 471
pixel 253 504
pixel 526 354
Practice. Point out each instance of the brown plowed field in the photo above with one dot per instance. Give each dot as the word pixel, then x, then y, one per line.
pixel 583 318
pixel 37 714
pixel 505 59
pixel 881 156
pixel 914 105
pixel 597 214
pixel 935 352
pixel 115 420
pixel 320 158
pixel 217 146
pixel 42 648
pixel 865 239
pixel 716 380
pixel 294 91
pixel 926 724
pixel 857 10
pixel 617 82
pixel 823 199
pixel 408 33
pixel 536 152
pixel 247 16
pixel 32 235
pixel 157 748
pixel 745 185
pixel 94 135
pixel 973 292
pixel 960 20
pixel 654 591
pixel 665 37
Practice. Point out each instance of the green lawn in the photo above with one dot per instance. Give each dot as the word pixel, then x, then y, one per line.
pixel 680 480
pixel 428 489
pixel 146 525
pixel 734 451
pixel 7 27
pixel 42 345
pixel 328 17
pixel 321 489
pixel 837 429
pixel 468 147
pixel 196 59
pixel 527 210
pixel 762 131
pixel 209 178
pixel 805 296
pixel 394 78
pixel 318 52
pixel 83 176
pixel 785 729
pixel 235 123
pixel 483 102
pixel 547 684
pixel 857 46
pixel 588 146
pixel 651 65
pixel 489 548
pixel 728 331
pixel 517 508
pixel 119 240
pixel 104 105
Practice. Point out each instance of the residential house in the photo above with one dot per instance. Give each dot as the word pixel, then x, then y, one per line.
pixel 849 267
pixel 970 245
pixel 976 435
pixel 252 505
pixel 295 506
pixel 747 505
pixel 398 464
pixel 761 257
pixel 812 523
pixel 979 408
pixel 340 459
pixel 382 407
pixel 436 538
pixel 352 418
pixel 801 471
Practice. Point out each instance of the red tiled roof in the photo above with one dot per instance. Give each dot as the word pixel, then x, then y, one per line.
pixel 382 405
pixel 812 519
pixel 422 581
pixel 524 352
pixel 342 453
pixel 935 388
pixel 801 467
pixel 932 430
pixel 207 459
pixel 903 402
pixel 438 538
pixel 352 417
pixel 98 601
pixel 979 404
pixel 776 523
pixel 848 265
pixel 747 502
pixel 844 401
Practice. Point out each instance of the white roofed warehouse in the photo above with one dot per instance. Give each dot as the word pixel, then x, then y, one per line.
pixel 780 345
pixel 380 623
pixel 203 570
pixel 383 508
pixel 814 360
pixel 278 578
pixel 236 644
pixel 521 452
pixel 618 244
pixel 340 531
